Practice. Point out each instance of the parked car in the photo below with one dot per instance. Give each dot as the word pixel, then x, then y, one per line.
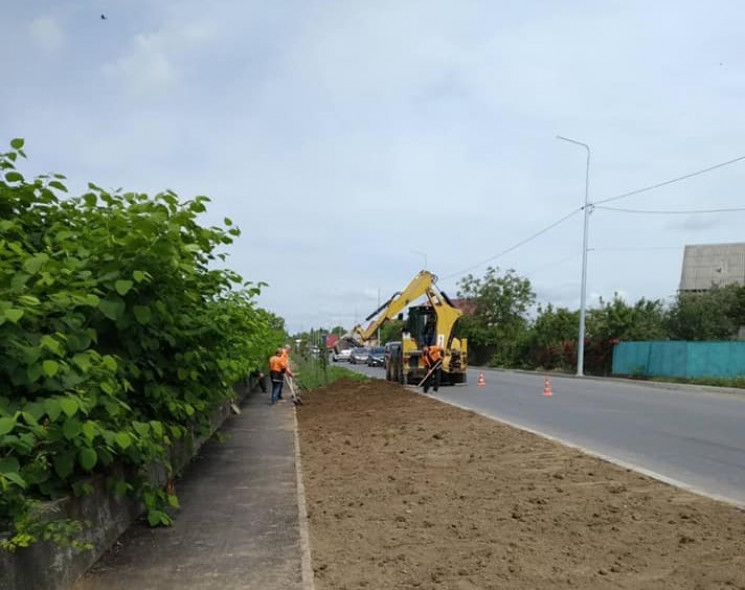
pixel 359 356
pixel 342 355
pixel 376 358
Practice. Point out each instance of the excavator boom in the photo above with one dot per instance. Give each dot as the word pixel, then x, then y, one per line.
pixel 431 324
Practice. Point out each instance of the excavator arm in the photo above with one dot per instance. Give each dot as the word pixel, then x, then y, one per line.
pixel 422 284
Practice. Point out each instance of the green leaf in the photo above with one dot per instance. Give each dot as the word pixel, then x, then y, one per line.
pixel 110 363
pixel 17 143
pixel 14 177
pixel 13 315
pixel 82 361
pixel 64 464
pixel 90 199
pixel 29 299
pixel 123 286
pixel 87 458
pixel 51 344
pixel 71 428
pixel 157 427
pixel 69 406
pixel 33 372
pixel 154 517
pixel 90 429
pixel 112 308
pixel 58 185
pixel 92 300
pixel 228 221
pixel 19 280
pixel 143 315
pixel 142 429
pixel 15 478
pixel 53 408
pixel 6 425
pixel 139 276
pixel 9 465
pixel 123 440
pixel 50 368
pixel 107 388
pixel 33 265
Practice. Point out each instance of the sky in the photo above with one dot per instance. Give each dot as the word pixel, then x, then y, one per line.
pixel 356 142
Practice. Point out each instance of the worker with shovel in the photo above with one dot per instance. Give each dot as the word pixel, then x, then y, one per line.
pixel 278 368
pixel 432 356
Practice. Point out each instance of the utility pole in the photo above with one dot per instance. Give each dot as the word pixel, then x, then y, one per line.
pixel 378 324
pixel 583 294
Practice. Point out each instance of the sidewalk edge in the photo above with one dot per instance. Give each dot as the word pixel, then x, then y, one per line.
pixel 306 561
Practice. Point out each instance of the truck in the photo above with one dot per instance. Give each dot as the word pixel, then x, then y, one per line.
pixel 432 322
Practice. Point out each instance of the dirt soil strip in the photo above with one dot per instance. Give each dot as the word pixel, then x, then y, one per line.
pixel 406 492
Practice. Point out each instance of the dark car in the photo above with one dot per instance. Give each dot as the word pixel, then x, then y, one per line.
pixel 359 356
pixel 376 358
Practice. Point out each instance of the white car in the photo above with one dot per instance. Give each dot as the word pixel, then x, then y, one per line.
pixel 342 355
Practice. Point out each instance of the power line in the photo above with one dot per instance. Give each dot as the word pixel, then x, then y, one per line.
pixel 678 212
pixel 516 246
pixel 674 180
pixel 552 264
pixel 608 200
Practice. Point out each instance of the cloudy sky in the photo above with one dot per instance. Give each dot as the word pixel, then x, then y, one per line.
pixel 348 139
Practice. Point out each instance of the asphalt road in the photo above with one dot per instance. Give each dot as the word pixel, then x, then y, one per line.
pixel 693 439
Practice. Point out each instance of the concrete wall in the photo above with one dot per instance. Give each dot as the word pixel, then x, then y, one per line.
pixel 47 566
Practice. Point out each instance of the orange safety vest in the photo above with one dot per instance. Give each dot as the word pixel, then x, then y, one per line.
pixel 277 364
pixel 434 354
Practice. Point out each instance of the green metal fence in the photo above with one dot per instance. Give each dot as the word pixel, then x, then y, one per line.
pixel 679 359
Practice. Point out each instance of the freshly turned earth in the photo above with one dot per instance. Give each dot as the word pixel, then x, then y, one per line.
pixel 404 491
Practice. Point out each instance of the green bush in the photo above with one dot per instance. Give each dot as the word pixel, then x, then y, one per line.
pixel 118 333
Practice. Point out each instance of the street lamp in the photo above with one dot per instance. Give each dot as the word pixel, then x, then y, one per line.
pixel 423 254
pixel 581 344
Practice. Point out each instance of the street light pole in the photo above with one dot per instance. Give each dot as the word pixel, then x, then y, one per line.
pixel 425 257
pixel 583 295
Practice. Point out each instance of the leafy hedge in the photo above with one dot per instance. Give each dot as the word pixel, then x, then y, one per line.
pixel 118 333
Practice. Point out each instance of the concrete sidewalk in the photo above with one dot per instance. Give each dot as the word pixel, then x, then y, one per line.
pixel 242 519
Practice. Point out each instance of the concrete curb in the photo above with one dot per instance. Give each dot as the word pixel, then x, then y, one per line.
pixel 306 560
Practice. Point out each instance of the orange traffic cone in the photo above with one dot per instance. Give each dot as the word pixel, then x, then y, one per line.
pixel 547 388
pixel 481 381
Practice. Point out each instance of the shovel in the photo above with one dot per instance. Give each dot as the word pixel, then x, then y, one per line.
pixel 432 370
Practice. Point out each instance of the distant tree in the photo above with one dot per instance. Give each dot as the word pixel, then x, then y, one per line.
pixel 617 320
pixel 716 314
pixel 553 326
pixel 391 331
pixel 500 307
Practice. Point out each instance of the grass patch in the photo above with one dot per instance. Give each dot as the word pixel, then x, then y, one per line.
pixel 735 382
pixel 313 373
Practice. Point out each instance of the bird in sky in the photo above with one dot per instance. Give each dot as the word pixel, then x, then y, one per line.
pixel 103 17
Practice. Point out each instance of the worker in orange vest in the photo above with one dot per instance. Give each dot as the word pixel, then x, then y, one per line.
pixel 432 356
pixel 278 367
pixel 285 354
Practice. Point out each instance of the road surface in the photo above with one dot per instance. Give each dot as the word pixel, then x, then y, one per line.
pixel 694 439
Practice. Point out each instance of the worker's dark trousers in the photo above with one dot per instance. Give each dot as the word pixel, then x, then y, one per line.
pixel 433 381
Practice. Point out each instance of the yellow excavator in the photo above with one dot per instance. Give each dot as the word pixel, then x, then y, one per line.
pixel 432 322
